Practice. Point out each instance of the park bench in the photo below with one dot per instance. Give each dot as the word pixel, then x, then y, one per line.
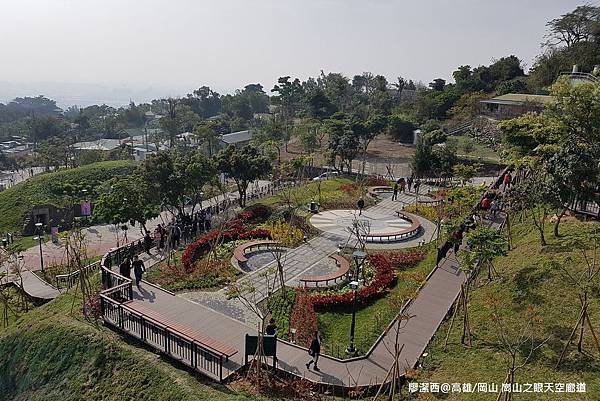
pixel 400 234
pixel 182 331
pixel 239 253
pixel 374 191
pixel 340 273
pixel 431 200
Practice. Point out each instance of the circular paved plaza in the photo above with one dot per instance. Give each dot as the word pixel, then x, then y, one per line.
pixel 338 222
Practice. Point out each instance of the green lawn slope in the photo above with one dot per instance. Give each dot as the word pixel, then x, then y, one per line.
pixel 47 188
pixel 528 282
pixel 50 354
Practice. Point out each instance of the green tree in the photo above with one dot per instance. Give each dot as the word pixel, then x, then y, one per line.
pixel 177 178
pixel 343 142
pixel 127 200
pixel 243 165
pixel 580 25
pixel 401 127
pixel 465 172
pixel 206 132
pixel 484 245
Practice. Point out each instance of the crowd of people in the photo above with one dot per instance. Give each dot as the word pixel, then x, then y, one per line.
pixel 405 185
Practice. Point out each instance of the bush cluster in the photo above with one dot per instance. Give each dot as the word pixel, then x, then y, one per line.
pixel 304 318
pixel 235 229
pixel 383 280
pixel 281 310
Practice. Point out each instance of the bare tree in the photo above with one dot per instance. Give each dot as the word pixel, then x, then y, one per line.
pixel 583 278
pixel 516 343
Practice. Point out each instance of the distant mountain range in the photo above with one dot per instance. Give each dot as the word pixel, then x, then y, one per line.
pixel 69 94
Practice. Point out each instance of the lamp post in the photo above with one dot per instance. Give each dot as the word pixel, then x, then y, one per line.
pixel 351 350
pixel 39 230
pixel 359 257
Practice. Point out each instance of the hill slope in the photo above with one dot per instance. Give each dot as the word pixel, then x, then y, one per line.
pixel 47 188
pixel 50 355
pixel 528 282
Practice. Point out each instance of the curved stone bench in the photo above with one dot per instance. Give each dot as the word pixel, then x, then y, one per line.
pixel 340 273
pixel 431 200
pixel 374 191
pixel 239 253
pixel 404 234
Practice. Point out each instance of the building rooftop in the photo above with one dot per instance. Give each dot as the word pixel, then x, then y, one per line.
pixel 519 98
pixel 237 137
pixel 100 144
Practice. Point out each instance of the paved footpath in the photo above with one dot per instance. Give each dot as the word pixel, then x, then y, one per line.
pixel 100 239
pixel 311 258
pixel 428 310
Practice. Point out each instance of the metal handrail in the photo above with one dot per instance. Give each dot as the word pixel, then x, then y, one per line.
pixel 171 334
pixel 69 278
pixel 584 75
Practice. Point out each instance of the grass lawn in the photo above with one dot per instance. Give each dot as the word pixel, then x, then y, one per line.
pixel 24 243
pixel 331 195
pixel 48 188
pixel 467 147
pixel 374 318
pixel 527 282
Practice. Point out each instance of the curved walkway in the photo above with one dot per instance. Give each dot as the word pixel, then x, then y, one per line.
pixel 32 285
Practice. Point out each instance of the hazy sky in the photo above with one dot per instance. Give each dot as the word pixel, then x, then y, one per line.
pixel 174 46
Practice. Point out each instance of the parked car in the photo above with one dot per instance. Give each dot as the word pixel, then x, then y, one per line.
pixel 326 176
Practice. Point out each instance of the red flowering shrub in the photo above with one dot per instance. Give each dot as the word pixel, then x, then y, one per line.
pixel 377 182
pixel 304 318
pixel 200 247
pixel 348 188
pixel 383 280
pixel 235 229
pixel 407 259
pixel 257 213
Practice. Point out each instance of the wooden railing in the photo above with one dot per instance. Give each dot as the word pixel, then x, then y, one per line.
pixel 114 300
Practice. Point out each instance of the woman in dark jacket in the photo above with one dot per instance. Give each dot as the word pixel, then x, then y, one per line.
pixel 314 350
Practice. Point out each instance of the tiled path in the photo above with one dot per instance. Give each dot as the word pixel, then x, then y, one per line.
pixel 428 310
pixel 304 260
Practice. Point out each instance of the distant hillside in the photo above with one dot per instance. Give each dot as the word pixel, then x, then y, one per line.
pixel 51 355
pixel 47 188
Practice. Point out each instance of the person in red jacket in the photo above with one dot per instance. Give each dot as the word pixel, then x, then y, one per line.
pixel 486 203
pixel 507 181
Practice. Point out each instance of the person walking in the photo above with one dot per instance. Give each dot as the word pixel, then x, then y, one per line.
pixel 507 181
pixel 402 183
pixel 314 350
pixel 147 242
pixel 409 182
pixel 125 268
pixel 395 194
pixel 138 270
pixel 417 185
pixel 160 234
pixel 361 205
pixel 494 208
pixel 271 328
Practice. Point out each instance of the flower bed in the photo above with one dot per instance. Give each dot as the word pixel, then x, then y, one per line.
pixel 383 280
pixel 407 259
pixel 235 229
pixel 304 318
